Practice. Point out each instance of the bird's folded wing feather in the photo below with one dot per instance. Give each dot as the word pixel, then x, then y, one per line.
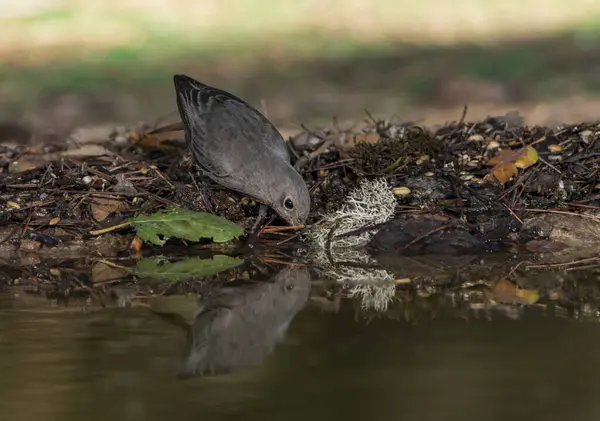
pixel 215 119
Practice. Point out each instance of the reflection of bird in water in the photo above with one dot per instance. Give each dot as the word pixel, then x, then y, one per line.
pixel 238 327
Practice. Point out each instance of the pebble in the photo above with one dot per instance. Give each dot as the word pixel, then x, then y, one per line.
pixel 30 245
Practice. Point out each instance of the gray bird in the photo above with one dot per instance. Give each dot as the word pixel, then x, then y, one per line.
pixel 238 327
pixel 237 147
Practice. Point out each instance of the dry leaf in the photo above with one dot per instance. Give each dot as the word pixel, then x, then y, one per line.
pixel 87 150
pixel 104 206
pixel 505 163
pixel 54 220
pixel 526 157
pixel 92 134
pixel 545 246
pixel 27 163
pixel 504 172
pixel 101 273
pixel 184 307
pixel 507 292
pixel 366 138
pixel 169 137
pixel 136 244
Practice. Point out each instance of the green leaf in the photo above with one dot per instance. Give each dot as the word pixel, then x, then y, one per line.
pixel 184 269
pixel 186 225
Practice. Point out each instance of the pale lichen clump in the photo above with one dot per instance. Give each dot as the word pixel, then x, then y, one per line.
pixel 375 287
pixel 375 297
pixel 371 203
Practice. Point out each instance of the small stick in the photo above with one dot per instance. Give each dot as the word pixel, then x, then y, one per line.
pixel 427 234
pixel 574 262
pixel 113 228
pixel 274 229
pixel 271 260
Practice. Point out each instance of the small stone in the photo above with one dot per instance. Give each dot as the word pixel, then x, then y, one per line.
pixel 401 191
pixel 87 179
pixel 555 148
pixel 30 245
pixel 553 295
pixel 493 145
pixel 586 135
pixel 475 138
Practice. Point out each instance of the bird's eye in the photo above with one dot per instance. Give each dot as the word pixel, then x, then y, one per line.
pixel 288 203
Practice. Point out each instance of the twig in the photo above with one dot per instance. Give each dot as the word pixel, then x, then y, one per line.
pixel 514 269
pixel 583 215
pixel 272 260
pixel 513 213
pixel 555 265
pixel 550 165
pixel 273 229
pixel 427 234
pixel 113 228
pixel 156 170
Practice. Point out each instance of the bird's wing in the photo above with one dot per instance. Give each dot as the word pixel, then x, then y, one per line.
pixel 211 115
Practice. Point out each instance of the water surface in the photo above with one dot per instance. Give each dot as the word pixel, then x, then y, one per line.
pixel 123 363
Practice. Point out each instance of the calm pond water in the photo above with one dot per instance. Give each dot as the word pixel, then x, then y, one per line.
pixel 126 364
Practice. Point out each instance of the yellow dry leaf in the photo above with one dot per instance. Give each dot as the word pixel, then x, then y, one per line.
pixel 502 157
pixel 508 292
pixel 13 205
pixel 527 156
pixel 503 172
pixel 529 296
pixel 54 220
pixel 506 163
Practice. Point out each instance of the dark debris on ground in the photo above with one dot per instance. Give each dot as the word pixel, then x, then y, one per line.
pixel 55 190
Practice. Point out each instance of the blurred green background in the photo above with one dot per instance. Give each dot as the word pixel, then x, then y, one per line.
pixel 67 63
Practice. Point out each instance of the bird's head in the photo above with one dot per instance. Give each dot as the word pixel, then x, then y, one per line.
pixel 289 197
